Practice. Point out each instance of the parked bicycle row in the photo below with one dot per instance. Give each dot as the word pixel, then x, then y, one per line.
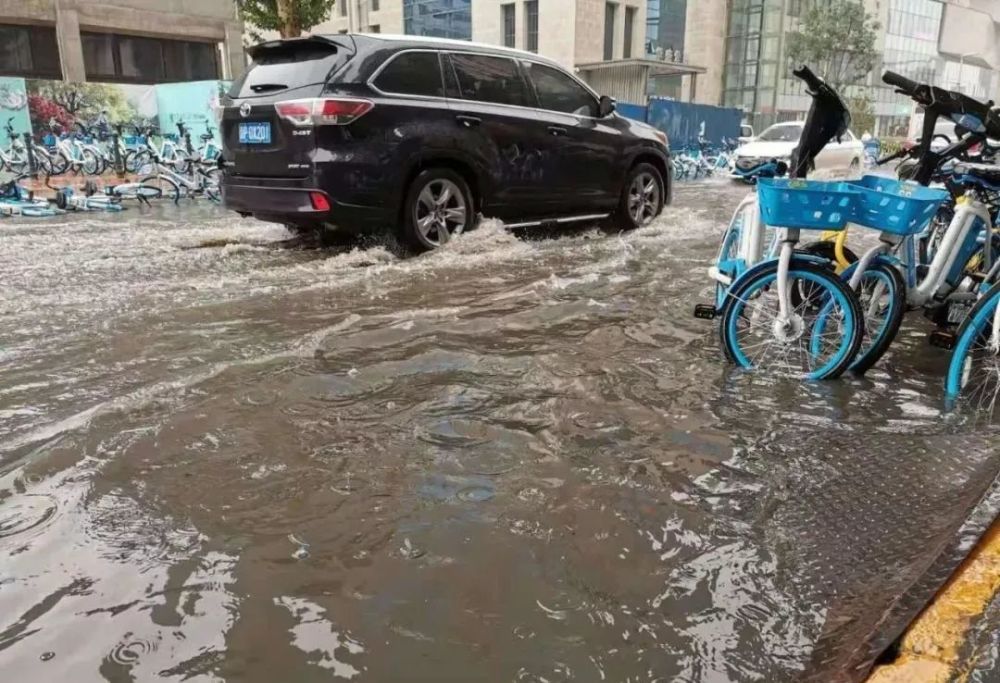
pixel 703 161
pixel 818 311
pixel 100 149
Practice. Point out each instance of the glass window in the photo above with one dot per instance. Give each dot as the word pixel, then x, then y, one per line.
pixel 375 28
pixel 412 73
pixel 29 51
pixel 373 6
pixel 557 91
pixel 509 26
pixel 343 8
pixel 629 23
pixel 136 59
pixel 489 79
pixel 98 54
pixel 141 58
pixel 609 30
pixel 438 18
pixel 531 21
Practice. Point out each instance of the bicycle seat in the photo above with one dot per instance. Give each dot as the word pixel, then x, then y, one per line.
pixel 985 172
pixel 207 136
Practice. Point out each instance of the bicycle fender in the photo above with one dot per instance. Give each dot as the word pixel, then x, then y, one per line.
pixel 797 258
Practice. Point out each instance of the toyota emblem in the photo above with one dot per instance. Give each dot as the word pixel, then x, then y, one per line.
pixel 245 109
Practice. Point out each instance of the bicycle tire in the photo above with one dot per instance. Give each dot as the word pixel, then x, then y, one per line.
pixel 972 336
pixel 60 163
pixel 878 338
pixel 168 188
pixel 90 163
pixel 828 290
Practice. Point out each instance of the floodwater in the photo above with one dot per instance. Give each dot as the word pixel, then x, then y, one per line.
pixel 228 456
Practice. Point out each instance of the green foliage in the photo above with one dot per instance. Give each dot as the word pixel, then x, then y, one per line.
pixel 862 114
pixel 836 40
pixel 288 17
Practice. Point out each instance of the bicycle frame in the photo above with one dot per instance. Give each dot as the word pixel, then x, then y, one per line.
pixel 960 239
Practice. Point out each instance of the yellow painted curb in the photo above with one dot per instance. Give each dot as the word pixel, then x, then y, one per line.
pixel 930 650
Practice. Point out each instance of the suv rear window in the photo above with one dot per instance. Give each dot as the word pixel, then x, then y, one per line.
pixel 286 66
pixel 412 73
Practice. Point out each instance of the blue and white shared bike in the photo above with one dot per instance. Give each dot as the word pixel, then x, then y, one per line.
pixel 782 310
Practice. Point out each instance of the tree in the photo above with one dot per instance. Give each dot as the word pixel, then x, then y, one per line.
pixel 837 41
pixel 862 114
pixel 288 17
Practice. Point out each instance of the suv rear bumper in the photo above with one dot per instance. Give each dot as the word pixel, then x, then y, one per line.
pixel 294 202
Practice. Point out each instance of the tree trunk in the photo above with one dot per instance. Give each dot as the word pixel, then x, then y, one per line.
pixel 290 26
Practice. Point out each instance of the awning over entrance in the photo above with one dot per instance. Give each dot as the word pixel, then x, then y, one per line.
pixel 627 80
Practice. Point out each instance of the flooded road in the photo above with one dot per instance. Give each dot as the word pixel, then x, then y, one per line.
pixel 224 456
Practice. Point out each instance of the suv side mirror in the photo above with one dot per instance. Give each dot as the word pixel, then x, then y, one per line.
pixel 605 107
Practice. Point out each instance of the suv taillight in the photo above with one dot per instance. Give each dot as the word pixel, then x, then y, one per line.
pixel 323 111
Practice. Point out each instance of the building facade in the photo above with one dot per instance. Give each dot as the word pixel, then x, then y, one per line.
pixel 437 18
pixel 123 41
pixel 757 73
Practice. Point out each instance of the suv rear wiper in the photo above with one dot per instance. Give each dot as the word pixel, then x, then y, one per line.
pixel 261 87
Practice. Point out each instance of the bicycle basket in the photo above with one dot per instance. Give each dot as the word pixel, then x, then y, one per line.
pixel 900 208
pixel 806 204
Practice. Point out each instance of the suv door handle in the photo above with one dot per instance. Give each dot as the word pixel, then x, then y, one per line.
pixel 468 121
pixel 557 130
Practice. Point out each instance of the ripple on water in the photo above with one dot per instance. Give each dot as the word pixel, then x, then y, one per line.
pixel 130 650
pixel 25 512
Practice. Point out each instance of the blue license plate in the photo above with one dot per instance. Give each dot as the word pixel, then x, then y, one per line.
pixel 255 133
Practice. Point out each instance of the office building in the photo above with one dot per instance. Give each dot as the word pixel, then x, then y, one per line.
pixel 437 18
pixel 124 41
pixel 911 41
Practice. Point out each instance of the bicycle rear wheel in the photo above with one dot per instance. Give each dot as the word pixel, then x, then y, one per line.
pixel 973 378
pixel 167 188
pixel 819 341
pixel 882 294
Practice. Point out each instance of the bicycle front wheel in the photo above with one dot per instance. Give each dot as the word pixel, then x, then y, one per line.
pixel 973 378
pixel 819 340
pixel 167 188
pixel 91 163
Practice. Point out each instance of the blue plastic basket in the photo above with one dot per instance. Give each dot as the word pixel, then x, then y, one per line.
pixel 806 204
pixel 895 207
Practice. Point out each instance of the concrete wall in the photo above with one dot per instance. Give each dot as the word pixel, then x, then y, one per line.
pixel 214 20
pixel 556 33
pixel 590 30
pixel 705 45
pixel 569 31
pixel 388 18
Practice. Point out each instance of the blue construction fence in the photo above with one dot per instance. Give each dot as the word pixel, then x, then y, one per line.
pixel 684 121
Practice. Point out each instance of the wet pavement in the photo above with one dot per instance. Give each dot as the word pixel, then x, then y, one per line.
pixel 225 455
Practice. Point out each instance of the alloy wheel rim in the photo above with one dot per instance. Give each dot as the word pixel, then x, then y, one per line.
pixel 440 212
pixel 643 198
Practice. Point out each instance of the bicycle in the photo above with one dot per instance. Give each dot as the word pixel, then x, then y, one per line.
pixel 782 310
pixel 72 154
pixel 901 212
pixel 169 182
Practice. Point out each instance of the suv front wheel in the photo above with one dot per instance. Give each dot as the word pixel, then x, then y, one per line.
pixel 438 207
pixel 642 198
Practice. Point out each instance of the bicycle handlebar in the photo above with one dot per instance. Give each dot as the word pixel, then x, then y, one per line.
pixel 900 82
pixel 806 74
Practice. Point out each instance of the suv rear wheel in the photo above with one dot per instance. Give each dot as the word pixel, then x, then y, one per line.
pixel 642 198
pixel 438 207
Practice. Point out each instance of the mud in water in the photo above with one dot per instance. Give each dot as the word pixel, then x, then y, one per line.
pixel 227 455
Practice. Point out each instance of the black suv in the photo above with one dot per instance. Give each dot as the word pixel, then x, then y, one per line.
pixel 365 132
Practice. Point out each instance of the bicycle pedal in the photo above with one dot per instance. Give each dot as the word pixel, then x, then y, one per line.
pixel 942 339
pixel 705 312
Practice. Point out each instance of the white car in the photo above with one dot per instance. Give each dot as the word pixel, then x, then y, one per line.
pixel 778 142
